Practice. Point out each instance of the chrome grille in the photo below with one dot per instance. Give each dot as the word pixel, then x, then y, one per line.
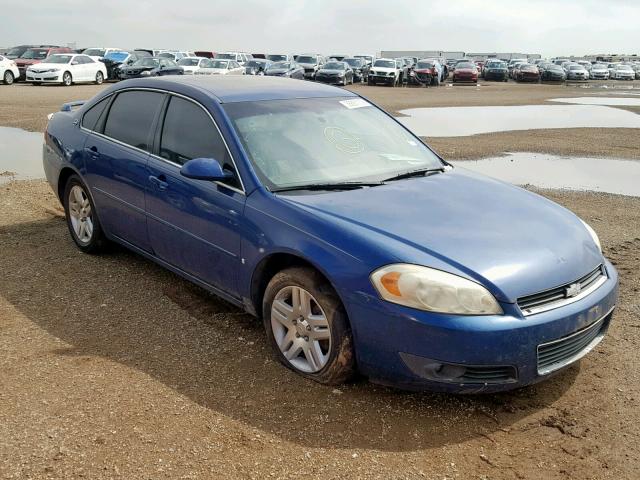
pixel 560 353
pixel 562 295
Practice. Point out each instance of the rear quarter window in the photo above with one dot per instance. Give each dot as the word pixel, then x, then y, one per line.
pixel 92 116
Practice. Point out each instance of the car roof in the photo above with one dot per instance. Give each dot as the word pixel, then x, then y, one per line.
pixel 243 88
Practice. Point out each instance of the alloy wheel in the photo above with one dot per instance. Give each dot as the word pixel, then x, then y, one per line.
pixel 8 78
pixel 301 329
pixel 80 214
pixel 66 79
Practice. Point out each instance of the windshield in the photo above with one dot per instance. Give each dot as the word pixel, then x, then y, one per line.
pixel 624 67
pixel 219 64
pixel 465 65
pixel 306 59
pixel 576 67
pixel 147 62
pixel 280 65
pixel 226 56
pixel 116 56
pixel 353 62
pixel 496 65
pixel 94 52
pixel 325 140
pixel 385 64
pixel 333 66
pixel 189 62
pixel 15 52
pixel 425 65
pixel 35 54
pixel 59 58
pixel 167 55
pixel 277 58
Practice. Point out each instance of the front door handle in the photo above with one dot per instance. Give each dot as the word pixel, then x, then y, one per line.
pixel 160 182
pixel 92 151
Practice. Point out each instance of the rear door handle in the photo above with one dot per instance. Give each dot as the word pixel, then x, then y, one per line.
pixel 159 181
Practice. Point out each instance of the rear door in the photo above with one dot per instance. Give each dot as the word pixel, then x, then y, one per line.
pixel 116 155
pixel 194 224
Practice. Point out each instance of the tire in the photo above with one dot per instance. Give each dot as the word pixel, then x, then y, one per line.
pixel 370 83
pixel 67 79
pixel 330 359
pixel 99 78
pixel 436 81
pixel 8 77
pixel 82 218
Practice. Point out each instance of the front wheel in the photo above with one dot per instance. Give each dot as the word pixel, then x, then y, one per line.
pixel 99 78
pixel 67 80
pixel 8 77
pixel 307 326
pixel 81 216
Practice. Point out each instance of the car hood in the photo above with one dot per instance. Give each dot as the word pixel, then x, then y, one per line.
pixel 42 65
pixel 465 70
pixel 330 71
pixel 513 241
pixel 383 69
pixel 27 62
pixel 277 71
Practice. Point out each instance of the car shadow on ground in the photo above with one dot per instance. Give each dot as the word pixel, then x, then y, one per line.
pixel 124 308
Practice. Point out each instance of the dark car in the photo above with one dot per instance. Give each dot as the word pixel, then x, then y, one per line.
pixel 36 55
pixel 257 66
pixel 205 54
pixel 465 72
pixel 285 69
pixel 496 70
pixel 336 73
pixel 359 67
pixel 151 67
pixel 553 73
pixel 259 55
pixel 114 61
pixel 311 63
pixel 16 52
pixel 527 73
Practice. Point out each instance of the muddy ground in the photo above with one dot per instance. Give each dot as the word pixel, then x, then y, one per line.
pixel 111 367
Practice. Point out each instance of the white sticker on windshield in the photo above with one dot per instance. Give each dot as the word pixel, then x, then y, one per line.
pixel 355 103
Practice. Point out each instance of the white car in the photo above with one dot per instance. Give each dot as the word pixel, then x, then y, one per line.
pixel 624 72
pixel 600 72
pixel 98 53
pixel 192 65
pixel 239 57
pixel 8 70
pixel 67 68
pixel 384 70
pixel 221 67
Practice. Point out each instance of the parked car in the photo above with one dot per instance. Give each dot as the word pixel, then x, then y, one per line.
pixel 279 57
pixel 337 73
pixel 151 67
pixel 426 72
pixel 512 63
pixel 515 68
pixel 238 57
pixel 528 72
pixel 465 72
pixel 367 58
pixel 285 69
pixel 636 69
pixel 586 64
pixel 98 53
pixel 600 71
pixel 311 64
pixel 624 72
pixel 221 67
pixel 577 72
pixel 67 69
pixel 16 52
pixel 115 60
pixel 322 232
pixel 553 73
pixel 256 66
pixel 385 71
pixel 36 55
pixel 192 65
pixel 359 67
pixel 496 70
pixel 8 70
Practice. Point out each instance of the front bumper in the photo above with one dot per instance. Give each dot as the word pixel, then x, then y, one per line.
pixel 397 345
pixel 388 79
pixel 501 75
pixel 50 77
pixel 332 80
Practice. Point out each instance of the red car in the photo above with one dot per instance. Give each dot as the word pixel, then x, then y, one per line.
pixel 425 73
pixel 465 72
pixel 527 73
pixel 36 55
pixel 205 54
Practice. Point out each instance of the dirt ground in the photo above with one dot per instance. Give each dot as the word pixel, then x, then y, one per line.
pixel 111 367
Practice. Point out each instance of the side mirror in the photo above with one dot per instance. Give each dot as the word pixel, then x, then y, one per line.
pixel 204 169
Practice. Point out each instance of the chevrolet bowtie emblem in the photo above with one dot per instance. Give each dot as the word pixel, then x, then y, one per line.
pixel 573 290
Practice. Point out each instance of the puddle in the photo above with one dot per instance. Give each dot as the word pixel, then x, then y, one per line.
pixel 463 121
pixel 610 101
pixel 550 171
pixel 20 155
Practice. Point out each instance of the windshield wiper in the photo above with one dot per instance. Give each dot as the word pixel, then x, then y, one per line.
pixel 328 186
pixel 421 172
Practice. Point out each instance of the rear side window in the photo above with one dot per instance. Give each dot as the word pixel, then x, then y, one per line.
pixel 189 133
pixel 130 117
pixel 92 116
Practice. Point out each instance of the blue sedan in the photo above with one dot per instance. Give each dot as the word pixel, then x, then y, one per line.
pixel 356 245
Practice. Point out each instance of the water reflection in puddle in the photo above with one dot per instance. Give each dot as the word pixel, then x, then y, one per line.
pixel 573 173
pixel 20 155
pixel 611 101
pixel 463 121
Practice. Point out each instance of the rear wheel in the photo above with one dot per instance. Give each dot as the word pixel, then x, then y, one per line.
pixel 81 216
pixel 307 326
pixel 8 77
pixel 67 79
pixel 99 78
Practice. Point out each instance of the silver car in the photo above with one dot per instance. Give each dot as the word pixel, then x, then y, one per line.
pixel 600 72
pixel 577 72
pixel 624 72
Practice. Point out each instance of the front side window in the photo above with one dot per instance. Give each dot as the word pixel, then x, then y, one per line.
pixel 188 133
pixel 131 115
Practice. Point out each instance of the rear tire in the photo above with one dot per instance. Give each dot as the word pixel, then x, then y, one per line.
pixel 307 326
pixel 82 218
pixel 8 77
pixel 99 78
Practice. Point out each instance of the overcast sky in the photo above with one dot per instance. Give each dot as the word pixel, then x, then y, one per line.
pixel 548 27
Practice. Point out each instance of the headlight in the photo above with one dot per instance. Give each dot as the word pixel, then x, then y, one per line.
pixel 145 73
pixel 593 234
pixel 433 290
